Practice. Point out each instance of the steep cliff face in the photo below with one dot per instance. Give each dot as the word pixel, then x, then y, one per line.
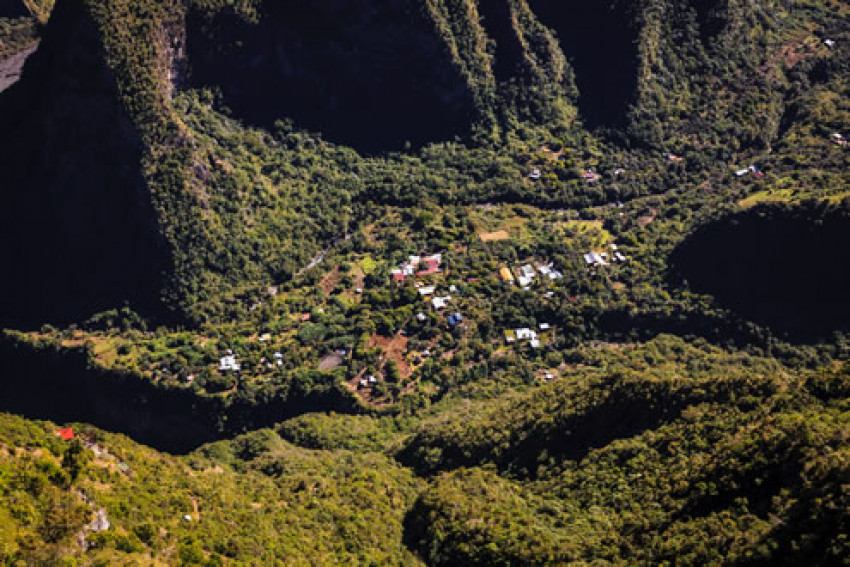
pixel 77 223
pixel 533 80
pixel 784 268
pixel 368 74
pixel 600 40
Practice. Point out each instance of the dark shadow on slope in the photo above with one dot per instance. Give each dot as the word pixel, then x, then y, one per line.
pixel 616 409
pixel 600 39
pixel 62 386
pixel 77 227
pixel 786 268
pixel 13 9
pixel 509 52
pixel 369 74
pixel 711 18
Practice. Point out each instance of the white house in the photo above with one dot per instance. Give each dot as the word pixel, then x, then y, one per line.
pixel 525 334
pixel 594 258
pixel 229 363
pixel 441 302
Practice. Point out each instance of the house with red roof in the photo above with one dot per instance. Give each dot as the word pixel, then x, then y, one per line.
pixel 66 433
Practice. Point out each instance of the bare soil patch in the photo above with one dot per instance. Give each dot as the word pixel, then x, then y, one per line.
pixel 331 361
pixel 395 349
pixel 494 236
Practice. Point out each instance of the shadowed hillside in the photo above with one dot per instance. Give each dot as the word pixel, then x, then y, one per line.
pixel 600 40
pixel 786 268
pixel 13 9
pixel 78 218
pixel 372 75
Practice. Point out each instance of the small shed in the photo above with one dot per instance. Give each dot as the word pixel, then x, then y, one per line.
pixel 66 433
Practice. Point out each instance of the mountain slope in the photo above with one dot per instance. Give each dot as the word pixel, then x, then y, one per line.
pixel 103 499
pixel 705 459
pixel 659 452
pixel 112 71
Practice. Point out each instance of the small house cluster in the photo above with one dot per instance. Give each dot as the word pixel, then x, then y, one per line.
pixel 455 319
pixel 229 363
pixel 527 273
pixel 429 293
pixel 839 139
pixel 756 172
pixel 590 176
pixel 419 266
pixel 513 336
pixel 368 381
pixel 603 258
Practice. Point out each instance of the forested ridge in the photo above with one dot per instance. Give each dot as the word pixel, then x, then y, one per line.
pixel 444 282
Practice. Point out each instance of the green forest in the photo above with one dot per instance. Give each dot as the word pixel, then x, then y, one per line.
pixel 424 282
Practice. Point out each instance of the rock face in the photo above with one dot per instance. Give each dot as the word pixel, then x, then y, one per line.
pixel 77 226
pixel 369 74
pixel 10 69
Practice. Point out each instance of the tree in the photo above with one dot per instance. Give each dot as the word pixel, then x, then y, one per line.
pixel 74 460
pixel 392 372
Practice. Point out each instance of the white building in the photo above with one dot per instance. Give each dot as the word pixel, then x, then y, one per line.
pixel 429 290
pixel 228 363
pixel 595 259
pixel 525 334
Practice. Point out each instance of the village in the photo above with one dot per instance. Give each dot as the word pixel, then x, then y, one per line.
pixel 443 293
pixel 484 289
